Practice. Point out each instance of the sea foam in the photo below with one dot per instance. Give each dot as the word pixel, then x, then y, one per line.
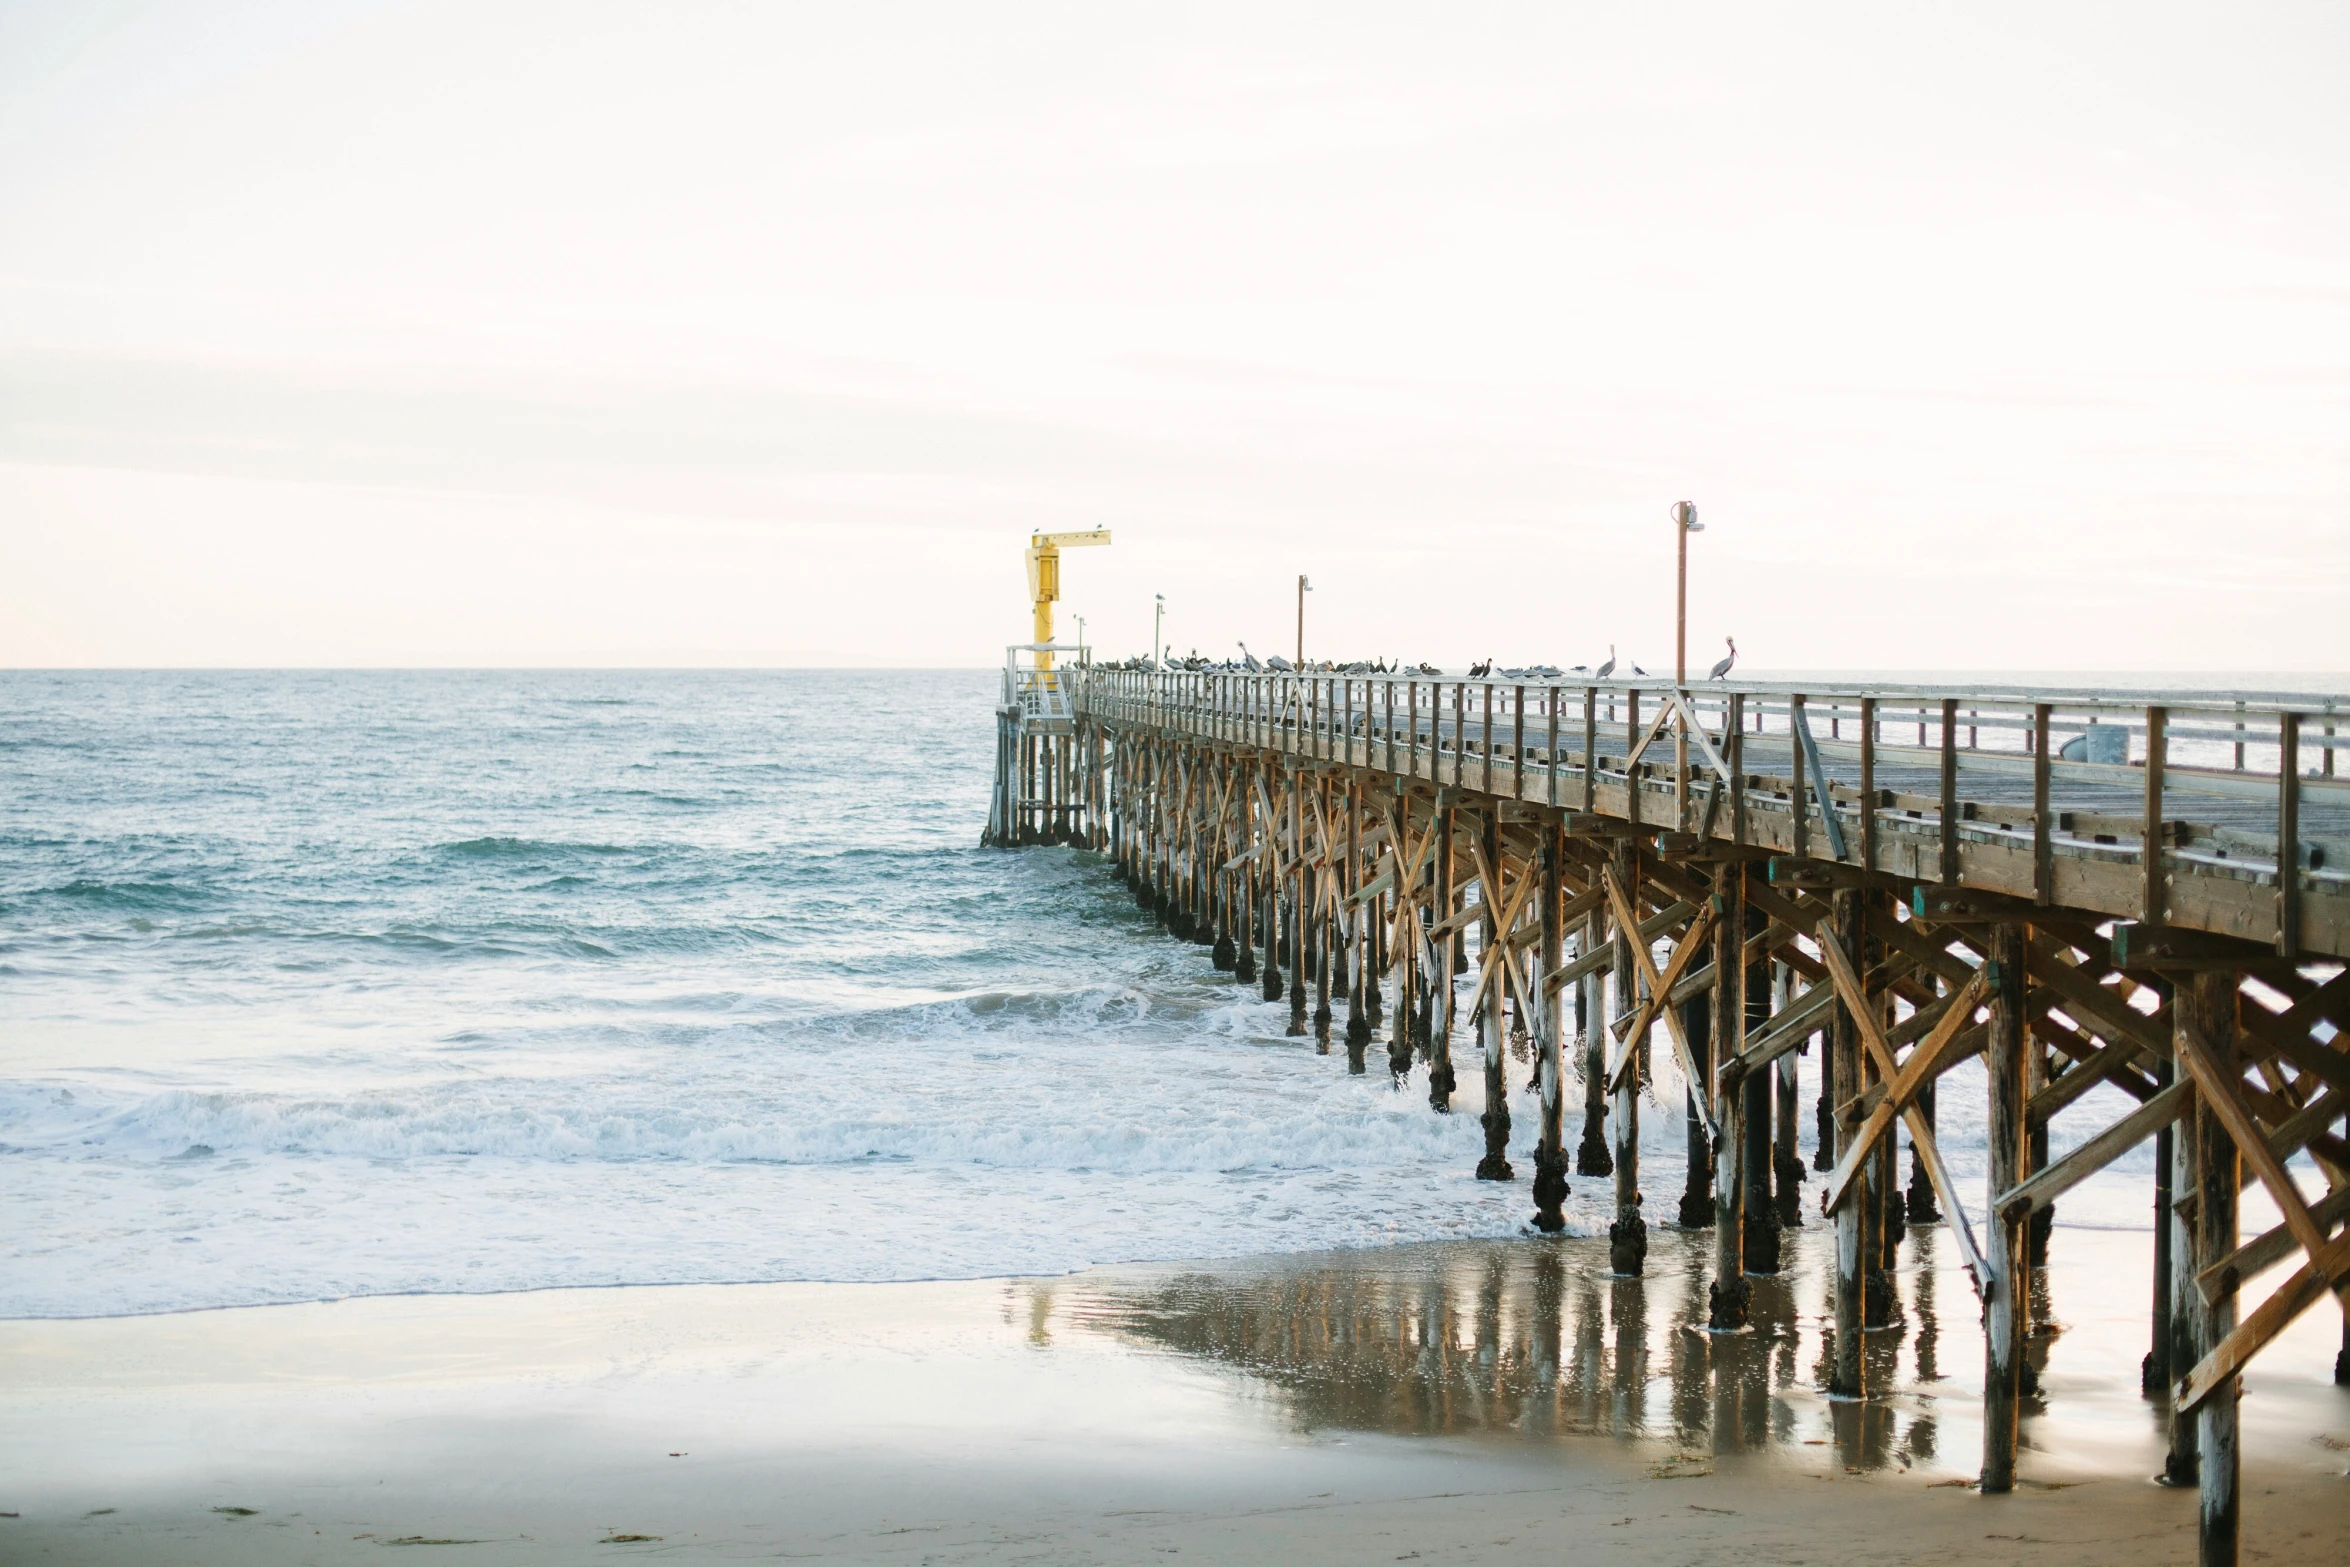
pixel 323 985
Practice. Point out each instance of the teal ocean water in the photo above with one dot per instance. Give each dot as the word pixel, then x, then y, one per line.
pixel 314 984
pixel 317 984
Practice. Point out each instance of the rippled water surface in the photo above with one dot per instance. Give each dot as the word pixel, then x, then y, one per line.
pixel 314 984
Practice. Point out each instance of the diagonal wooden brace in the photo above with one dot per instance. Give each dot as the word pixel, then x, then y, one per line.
pixel 2264 1251
pixel 1602 955
pixel 1915 1074
pixel 1622 907
pixel 1705 741
pixel 1494 953
pixel 1790 1028
pixel 1818 783
pixel 2220 1094
pixel 2268 1319
pixel 1655 727
pixel 1692 943
pixel 1921 1136
pixel 2029 1196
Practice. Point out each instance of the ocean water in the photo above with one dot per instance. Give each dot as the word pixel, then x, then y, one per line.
pixel 321 984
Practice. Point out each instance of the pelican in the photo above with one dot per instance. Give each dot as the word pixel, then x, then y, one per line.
pixel 1608 668
pixel 1248 660
pixel 1722 669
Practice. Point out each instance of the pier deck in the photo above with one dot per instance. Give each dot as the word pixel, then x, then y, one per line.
pixel 2018 819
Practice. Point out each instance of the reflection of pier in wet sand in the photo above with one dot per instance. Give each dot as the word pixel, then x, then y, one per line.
pixel 1540 1342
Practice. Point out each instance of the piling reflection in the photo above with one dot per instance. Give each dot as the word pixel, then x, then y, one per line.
pixel 1536 1339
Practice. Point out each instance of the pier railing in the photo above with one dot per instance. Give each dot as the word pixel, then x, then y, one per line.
pixel 2162 807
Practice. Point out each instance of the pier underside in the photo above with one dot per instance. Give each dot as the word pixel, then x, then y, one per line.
pixel 2148 893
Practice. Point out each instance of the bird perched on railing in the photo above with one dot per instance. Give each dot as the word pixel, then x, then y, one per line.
pixel 1279 665
pixel 1429 669
pixel 1722 669
pixel 1248 660
pixel 1480 671
pixel 1608 668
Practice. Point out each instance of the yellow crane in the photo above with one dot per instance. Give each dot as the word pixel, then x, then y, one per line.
pixel 1044 578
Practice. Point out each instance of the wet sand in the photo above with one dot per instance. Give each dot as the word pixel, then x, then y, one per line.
pixel 1461 1402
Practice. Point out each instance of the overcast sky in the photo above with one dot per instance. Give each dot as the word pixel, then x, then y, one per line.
pixel 1983 337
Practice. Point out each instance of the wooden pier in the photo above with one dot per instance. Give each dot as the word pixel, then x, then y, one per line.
pixel 2149 890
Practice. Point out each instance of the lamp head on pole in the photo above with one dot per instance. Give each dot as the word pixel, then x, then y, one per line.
pixel 1685 513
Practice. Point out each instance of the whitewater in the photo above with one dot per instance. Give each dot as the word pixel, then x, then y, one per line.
pixel 326 984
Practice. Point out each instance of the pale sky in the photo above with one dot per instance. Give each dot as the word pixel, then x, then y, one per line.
pixel 1983 337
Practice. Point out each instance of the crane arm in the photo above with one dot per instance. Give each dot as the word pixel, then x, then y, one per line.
pixel 1044 576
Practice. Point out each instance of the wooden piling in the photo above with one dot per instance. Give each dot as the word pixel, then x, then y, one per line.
pixel 1319 880
pixel 1398 919
pixel 1628 1233
pixel 1293 783
pixel 1591 1151
pixel 1787 1171
pixel 1550 1153
pixel 2004 1317
pixel 1728 1296
pixel 1440 979
pixel 1359 978
pixel 1847 1378
pixel 1919 1198
pixel 2190 1318
pixel 2156 1370
pixel 1697 1188
pixel 1759 1247
pixel 1495 1166
pixel 2207 1004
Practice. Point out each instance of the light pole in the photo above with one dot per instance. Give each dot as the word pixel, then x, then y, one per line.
pixel 1303 588
pixel 1081 639
pixel 1158 620
pixel 1684 524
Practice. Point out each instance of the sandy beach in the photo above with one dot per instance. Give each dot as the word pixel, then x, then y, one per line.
pixel 1463 1402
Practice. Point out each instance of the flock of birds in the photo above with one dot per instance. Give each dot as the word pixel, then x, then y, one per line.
pixel 1249 663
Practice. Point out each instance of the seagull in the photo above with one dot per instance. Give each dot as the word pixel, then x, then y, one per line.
pixel 1608 668
pixel 1642 673
pixel 1722 669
